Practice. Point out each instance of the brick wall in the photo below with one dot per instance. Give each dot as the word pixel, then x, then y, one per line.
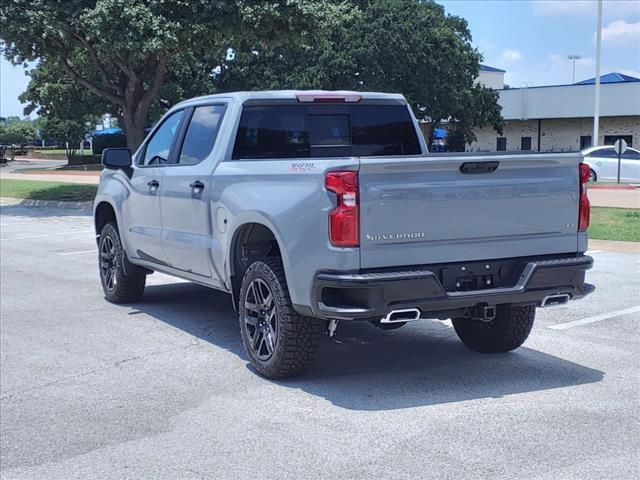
pixel 556 135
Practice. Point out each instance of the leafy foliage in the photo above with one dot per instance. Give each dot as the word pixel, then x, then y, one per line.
pixel 401 46
pixel 16 133
pixel 136 58
pixel 66 132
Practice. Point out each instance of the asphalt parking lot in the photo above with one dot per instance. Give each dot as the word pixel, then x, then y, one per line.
pixel 162 389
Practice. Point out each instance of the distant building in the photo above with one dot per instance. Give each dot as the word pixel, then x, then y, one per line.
pixel 559 118
pixel 491 77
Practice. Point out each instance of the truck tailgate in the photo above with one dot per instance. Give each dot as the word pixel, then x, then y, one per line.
pixel 424 209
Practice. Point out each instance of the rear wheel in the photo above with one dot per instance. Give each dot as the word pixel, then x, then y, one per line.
pixel 118 287
pixel 592 176
pixel 507 331
pixel 280 343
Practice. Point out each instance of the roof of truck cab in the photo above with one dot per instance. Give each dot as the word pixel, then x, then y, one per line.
pixel 287 95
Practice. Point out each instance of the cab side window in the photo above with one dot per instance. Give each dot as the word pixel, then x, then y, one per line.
pixel 159 146
pixel 201 134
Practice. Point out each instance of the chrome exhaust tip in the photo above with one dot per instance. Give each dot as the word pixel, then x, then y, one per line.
pixel 398 316
pixel 555 299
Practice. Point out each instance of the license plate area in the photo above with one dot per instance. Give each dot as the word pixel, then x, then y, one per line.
pixel 467 277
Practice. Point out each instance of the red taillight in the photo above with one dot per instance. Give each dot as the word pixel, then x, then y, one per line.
pixel 344 220
pixel 584 208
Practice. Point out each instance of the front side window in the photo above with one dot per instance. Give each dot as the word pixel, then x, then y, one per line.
pixel 303 131
pixel 201 134
pixel 159 147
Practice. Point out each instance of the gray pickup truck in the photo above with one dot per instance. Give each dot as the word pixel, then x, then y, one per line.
pixel 315 207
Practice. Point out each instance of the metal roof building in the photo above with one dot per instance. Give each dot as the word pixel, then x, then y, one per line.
pixel 560 117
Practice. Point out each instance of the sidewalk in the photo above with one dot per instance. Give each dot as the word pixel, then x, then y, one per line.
pixel 54 177
pixel 614 198
pixel 614 246
pixel 9 171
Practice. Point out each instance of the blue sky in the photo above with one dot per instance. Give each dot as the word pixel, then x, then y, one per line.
pixel 529 39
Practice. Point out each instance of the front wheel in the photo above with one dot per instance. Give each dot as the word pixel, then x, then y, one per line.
pixel 118 287
pixel 507 331
pixel 280 343
pixel 592 176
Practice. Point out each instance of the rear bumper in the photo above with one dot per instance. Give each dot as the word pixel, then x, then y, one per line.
pixel 372 295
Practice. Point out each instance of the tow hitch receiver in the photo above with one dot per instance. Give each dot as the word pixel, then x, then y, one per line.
pixel 481 311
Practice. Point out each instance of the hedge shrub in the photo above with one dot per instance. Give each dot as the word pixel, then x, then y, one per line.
pixel 84 159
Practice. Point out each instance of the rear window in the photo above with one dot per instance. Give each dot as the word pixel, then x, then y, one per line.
pixel 303 131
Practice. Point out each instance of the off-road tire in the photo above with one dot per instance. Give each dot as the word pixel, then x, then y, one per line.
pixel 297 337
pixel 120 288
pixel 506 332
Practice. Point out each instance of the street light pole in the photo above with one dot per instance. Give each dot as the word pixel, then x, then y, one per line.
pixel 573 58
pixel 596 108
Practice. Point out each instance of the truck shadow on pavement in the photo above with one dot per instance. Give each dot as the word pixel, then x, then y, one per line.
pixel 365 368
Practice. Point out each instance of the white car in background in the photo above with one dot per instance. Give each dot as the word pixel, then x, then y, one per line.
pixel 603 162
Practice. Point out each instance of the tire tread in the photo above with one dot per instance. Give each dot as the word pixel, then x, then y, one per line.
pixel 299 335
pixel 129 287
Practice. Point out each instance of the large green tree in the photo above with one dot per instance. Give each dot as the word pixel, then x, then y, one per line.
pixel 135 58
pixel 125 51
pixel 406 46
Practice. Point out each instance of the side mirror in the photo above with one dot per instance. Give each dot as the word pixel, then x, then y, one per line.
pixel 116 158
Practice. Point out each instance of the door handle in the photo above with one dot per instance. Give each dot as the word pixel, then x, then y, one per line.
pixel 153 183
pixel 197 185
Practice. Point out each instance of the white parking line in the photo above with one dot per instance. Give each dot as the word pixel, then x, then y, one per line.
pixel 79 253
pixel 591 252
pixel 596 318
pixel 47 235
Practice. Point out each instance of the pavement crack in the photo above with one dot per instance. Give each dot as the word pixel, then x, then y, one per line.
pixel 54 382
pixel 115 365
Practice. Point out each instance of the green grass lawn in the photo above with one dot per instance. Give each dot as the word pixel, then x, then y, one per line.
pixel 62 151
pixel 615 224
pixel 66 192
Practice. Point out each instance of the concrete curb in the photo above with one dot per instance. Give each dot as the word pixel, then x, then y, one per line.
pixel 27 202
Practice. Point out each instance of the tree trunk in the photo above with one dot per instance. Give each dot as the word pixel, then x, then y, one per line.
pixel 133 121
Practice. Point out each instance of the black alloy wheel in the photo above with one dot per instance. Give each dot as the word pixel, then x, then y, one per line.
pixel 261 319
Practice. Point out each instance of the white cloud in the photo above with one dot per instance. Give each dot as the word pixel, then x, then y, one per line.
pixel 631 73
pixel 555 69
pixel 586 8
pixel 621 32
pixel 552 8
pixel 509 55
